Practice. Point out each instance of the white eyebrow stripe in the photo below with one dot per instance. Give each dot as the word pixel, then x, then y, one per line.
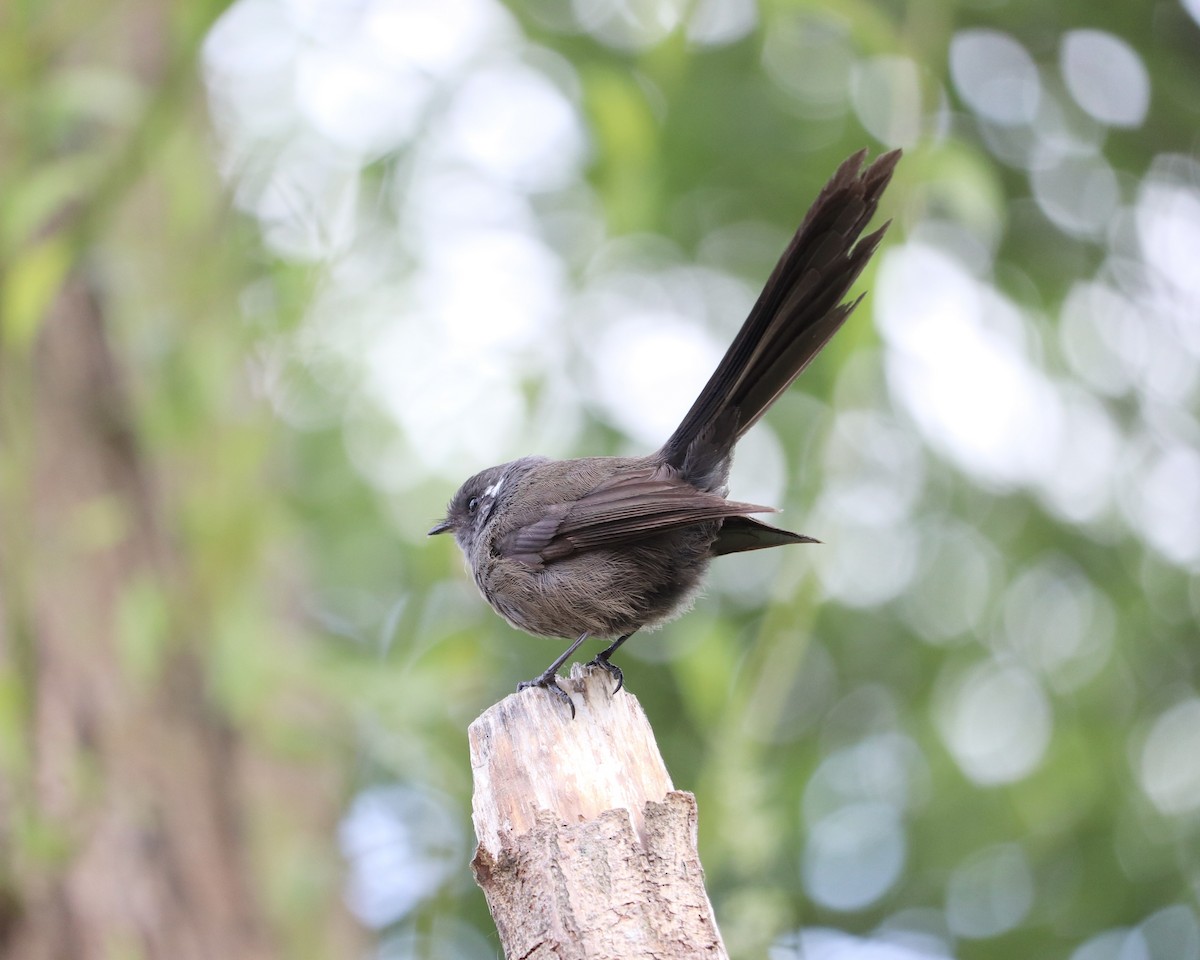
pixel 494 489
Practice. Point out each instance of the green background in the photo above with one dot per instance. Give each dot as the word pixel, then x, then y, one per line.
pixel 971 729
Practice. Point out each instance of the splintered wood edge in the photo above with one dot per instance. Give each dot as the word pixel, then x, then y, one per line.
pixel 529 755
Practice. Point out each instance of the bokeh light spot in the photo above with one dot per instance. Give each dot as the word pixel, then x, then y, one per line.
pixel 1161 496
pixel 718 22
pixel 1172 934
pixel 1169 767
pixel 956 582
pixel 990 893
pixel 820 943
pixel 995 75
pixel 513 122
pixel 1106 77
pixel 629 24
pixel 646 367
pixel 1078 194
pixel 995 719
pixel 886 93
pixel 1058 622
pixel 811 58
pixel 853 856
pixel 958 362
pixel 402 844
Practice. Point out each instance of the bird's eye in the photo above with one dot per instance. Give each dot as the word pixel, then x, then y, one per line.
pixel 472 504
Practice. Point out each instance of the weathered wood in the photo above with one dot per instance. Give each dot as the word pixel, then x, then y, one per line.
pixel 585 847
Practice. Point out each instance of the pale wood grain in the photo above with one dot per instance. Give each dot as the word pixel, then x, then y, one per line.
pixel 585 848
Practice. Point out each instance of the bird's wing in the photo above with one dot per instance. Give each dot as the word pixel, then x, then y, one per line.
pixel 627 508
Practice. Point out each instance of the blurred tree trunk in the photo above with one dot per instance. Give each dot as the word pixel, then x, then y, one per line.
pixel 136 808
pixel 133 789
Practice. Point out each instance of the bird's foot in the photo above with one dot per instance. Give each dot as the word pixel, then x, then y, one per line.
pixel 611 668
pixel 549 682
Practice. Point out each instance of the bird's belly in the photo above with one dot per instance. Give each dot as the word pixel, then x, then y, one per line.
pixel 604 593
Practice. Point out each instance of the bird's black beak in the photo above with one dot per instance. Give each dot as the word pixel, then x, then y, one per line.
pixel 440 527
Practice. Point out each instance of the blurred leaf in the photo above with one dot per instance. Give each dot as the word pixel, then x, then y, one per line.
pixel 30 283
pixel 144 630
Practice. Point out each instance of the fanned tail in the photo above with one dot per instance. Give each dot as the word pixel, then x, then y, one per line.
pixel 800 308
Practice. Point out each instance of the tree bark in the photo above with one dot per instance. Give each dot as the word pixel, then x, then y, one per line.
pixel 134 781
pixel 585 847
pixel 139 815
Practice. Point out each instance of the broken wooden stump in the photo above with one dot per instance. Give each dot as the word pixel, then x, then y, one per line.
pixel 585 847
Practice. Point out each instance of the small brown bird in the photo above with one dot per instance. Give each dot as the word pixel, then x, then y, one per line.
pixel 606 546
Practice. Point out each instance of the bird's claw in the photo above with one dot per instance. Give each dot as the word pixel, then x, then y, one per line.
pixel 612 669
pixel 549 682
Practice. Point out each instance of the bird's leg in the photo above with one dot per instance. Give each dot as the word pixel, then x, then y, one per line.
pixel 546 680
pixel 602 660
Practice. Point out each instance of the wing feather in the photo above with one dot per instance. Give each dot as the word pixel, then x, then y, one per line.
pixel 625 509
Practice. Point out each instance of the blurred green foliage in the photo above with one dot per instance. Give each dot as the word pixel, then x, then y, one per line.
pixel 895 768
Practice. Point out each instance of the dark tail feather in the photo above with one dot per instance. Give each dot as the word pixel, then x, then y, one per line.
pixel 799 309
pixel 738 534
